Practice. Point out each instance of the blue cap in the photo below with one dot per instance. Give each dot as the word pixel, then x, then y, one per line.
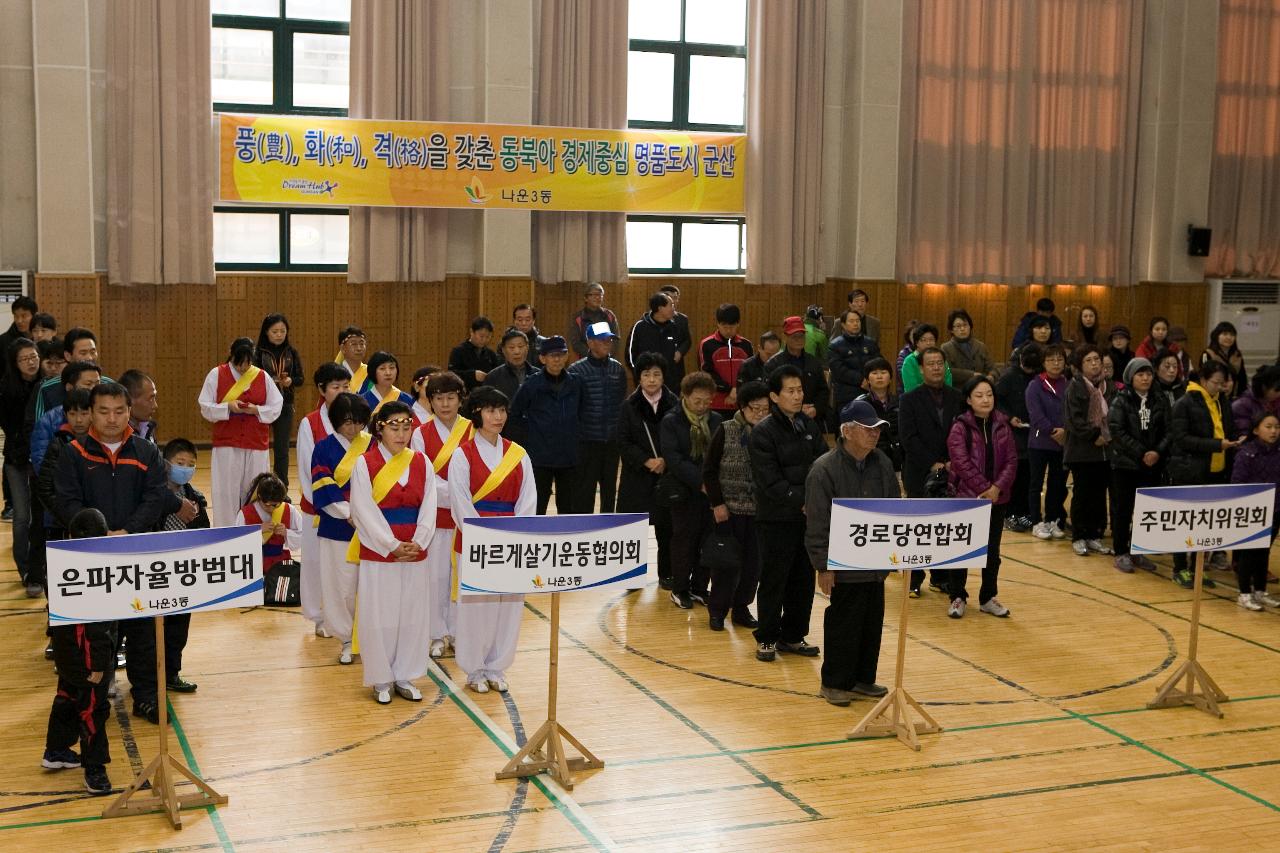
pixel 552 345
pixel 862 413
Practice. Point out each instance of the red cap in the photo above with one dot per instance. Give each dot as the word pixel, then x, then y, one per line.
pixel 792 325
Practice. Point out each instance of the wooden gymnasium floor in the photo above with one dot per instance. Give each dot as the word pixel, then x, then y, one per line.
pixel 1048 744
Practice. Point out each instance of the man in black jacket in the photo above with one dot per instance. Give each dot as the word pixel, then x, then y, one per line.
pixel 511 375
pixel 604 385
pixel 123 477
pixel 812 371
pixel 924 420
pixel 472 359
pixel 656 332
pixel 783 448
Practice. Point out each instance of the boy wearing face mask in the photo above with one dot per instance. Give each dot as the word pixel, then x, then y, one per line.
pixel 180 467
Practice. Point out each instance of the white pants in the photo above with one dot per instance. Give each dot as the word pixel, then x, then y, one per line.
pixel 444 610
pixel 338 578
pixel 312 574
pixel 233 469
pixel 488 630
pixel 394 627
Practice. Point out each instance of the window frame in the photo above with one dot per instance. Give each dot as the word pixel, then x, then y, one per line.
pixel 683 51
pixel 283 29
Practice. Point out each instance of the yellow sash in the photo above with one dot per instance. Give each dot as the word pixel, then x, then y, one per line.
pixel 276 515
pixel 382 483
pixel 358 378
pixel 390 397
pixel 1217 462
pixel 342 474
pixel 242 384
pixel 462 428
pixel 509 461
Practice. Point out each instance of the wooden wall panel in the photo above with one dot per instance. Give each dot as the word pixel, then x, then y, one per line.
pixel 179 332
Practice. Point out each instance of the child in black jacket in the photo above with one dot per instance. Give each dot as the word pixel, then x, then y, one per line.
pixel 86 659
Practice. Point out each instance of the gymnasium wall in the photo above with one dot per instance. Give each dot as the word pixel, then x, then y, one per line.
pixel 178 332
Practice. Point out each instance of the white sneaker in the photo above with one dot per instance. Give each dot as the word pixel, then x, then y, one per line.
pixel 1043 530
pixel 478 685
pixel 408 690
pixel 956 610
pixel 1095 546
pixel 437 649
pixel 1055 529
pixel 499 684
pixel 344 657
pixel 322 632
pixel 1262 598
pixel 382 694
pixel 995 608
pixel 1079 546
pixel 1246 601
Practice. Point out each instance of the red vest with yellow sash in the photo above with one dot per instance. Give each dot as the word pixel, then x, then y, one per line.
pixel 439 451
pixel 242 430
pixel 273 550
pixel 401 504
pixel 501 500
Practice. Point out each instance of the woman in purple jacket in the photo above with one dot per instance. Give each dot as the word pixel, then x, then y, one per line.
pixel 1046 395
pixel 984 464
pixel 1258 462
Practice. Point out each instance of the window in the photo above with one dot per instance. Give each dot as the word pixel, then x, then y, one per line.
pixel 687 70
pixel 287 57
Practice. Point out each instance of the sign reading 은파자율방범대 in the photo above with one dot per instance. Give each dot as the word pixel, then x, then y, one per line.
pixel 154 574
pixel 897 534
pixel 553 553
pixel 1185 519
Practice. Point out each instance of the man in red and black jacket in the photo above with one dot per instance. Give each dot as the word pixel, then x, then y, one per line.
pixel 85 656
pixel 722 354
pixel 122 476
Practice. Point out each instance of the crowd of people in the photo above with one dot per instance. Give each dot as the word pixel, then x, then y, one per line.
pixel 735 458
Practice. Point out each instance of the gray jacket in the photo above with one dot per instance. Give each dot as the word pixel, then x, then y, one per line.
pixel 837 475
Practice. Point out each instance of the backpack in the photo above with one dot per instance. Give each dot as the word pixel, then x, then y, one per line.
pixel 282 585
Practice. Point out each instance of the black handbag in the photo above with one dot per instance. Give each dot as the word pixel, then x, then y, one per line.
pixel 670 491
pixel 721 551
pixel 282 585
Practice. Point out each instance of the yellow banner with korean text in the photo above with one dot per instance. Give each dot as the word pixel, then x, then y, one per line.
pixel 298 160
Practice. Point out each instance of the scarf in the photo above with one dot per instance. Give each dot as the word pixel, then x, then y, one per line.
pixel 1218 462
pixel 1097 409
pixel 654 400
pixel 699 432
pixel 746 427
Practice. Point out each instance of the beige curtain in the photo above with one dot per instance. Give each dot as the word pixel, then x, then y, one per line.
pixel 581 82
pixel 399 70
pixel 160 161
pixel 1018 141
pixel 1244 185
pixel 786 58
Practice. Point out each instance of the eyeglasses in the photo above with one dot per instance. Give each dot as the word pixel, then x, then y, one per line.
pixel 758 408
pixel 30 357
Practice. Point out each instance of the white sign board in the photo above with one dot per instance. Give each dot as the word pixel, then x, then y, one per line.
pixel 154 574
pixel 1185 519
pixel 897 534
pixel 553 553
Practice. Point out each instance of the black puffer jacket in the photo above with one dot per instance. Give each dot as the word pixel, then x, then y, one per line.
pixel 1130 441
pixel 846 356
pixel 1191 441
pixel 816 392
pixel 604 384
pixel 782 451
pixel 639 440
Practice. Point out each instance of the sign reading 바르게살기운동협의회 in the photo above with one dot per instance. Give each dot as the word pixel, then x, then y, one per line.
pixel 1183 519
pixel 339 161
pixel 553 553
pixel 896 534
pixel 154 574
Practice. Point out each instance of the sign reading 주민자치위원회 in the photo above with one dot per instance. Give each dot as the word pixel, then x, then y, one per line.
pixel 553 553
pixel 897 534
pixel 339 161
pixel 1185 519
pixel 154 574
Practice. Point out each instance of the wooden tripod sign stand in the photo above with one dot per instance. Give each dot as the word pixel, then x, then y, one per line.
pixel 892 715
pixel 544 752
pixel 1200 690
pixel 162 796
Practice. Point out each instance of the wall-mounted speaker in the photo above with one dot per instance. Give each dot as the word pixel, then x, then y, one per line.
pixel 1198 240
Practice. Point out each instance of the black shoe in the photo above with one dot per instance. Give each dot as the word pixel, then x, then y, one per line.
pixel 1183 578
pixel 801 648
pixel 96 781
pixel 766 652
pixel 936 585
pixel 745 619
pixel 664 583
pixel 681 600
pixel 717 623
pixel 699 598
pixel 7 514
pixel 178 685
pixel 1208 583
pixel 60 759
pixel 147 710
pixel 48 650
pixel 873 690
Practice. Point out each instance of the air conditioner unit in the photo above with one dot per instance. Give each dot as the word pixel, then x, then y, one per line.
pixel 1253 307
pixel 14 283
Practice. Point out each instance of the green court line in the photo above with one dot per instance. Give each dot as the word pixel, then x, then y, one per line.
pixel 214 817
pixel 537 782
pixel 55 822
